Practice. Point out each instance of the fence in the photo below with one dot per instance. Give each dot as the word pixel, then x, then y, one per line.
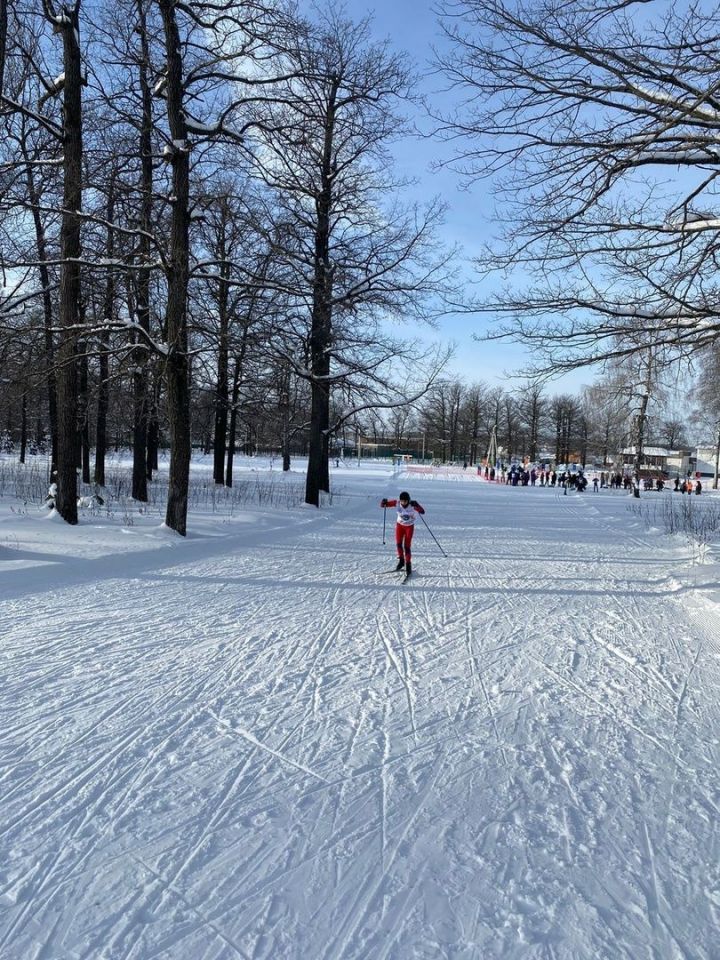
pixel 444 471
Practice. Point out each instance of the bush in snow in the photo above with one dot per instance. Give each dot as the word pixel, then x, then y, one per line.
pixel 29 482
pixel 696 517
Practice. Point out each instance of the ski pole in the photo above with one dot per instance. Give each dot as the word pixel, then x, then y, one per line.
pixel 384 518
pixel 432 534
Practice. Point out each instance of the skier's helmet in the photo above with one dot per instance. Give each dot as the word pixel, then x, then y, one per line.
pixel 404 496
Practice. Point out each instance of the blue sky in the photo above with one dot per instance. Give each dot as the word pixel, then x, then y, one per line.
pixel 411 26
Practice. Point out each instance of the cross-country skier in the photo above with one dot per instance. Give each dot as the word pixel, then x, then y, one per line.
pixel 407 513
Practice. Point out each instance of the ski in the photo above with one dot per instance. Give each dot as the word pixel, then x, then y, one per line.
pixel 404 577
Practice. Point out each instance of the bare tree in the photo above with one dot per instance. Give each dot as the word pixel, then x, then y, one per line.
pixel 234 306
pixel 605 407
pixel 66 21
pixel 295 309
pixel 531 406
pixel 142 389
pixel 474 413
pixel 564 411
pixel 128 129
pixel 204 46
pixel 579 113
pixel 352 256
pixel 108 313
pixel 177 371
pixel 671 433
pixel 441 421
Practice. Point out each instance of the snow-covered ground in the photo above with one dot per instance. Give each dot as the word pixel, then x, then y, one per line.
pixel 256 743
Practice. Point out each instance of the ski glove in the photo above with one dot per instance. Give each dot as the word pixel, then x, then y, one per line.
pixel 383 502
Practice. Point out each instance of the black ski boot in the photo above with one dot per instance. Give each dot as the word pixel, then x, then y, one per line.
pixel 408 569
pixel 400 564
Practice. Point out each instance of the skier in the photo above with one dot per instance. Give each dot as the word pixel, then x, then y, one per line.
pixel 407 513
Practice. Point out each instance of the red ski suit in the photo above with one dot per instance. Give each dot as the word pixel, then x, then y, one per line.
pixel 405 526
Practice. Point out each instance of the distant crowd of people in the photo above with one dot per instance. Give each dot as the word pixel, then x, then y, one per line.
pixel 524 476
pixel 687 486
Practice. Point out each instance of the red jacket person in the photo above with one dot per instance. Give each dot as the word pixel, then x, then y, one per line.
pixel 407 513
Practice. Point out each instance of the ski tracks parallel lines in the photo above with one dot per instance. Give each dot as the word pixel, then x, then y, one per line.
pixel 401 669
pixel 128 936
pixel 368 892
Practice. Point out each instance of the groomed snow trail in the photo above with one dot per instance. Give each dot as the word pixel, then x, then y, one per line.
pixel 276 751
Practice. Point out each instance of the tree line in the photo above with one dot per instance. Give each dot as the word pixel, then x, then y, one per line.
pixel 202 231
pixel 596 125
pixel 199 213
pixel 458 422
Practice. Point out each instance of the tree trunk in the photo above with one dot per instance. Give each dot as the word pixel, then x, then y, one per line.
pixel 285 417
pixel 83 424
pixel 232 427
pixel 141 394
pixel 221 385
pixel 103 399
pixel 317 452
pixel 325 464
pixel 178 380
pixel 153 448
pixel 140 426
pixel 70 247
pixel 285 447
pixel 103 395
pixel 232 430
pixel 640 423
pixel 23 428
pixel 318 475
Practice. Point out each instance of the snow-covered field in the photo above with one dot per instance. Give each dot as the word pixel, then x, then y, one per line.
pixel 255 743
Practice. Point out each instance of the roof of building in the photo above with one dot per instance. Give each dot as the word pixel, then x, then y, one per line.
pixel 657 452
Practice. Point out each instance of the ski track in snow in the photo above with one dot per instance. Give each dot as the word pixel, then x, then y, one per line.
pixel 275 750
